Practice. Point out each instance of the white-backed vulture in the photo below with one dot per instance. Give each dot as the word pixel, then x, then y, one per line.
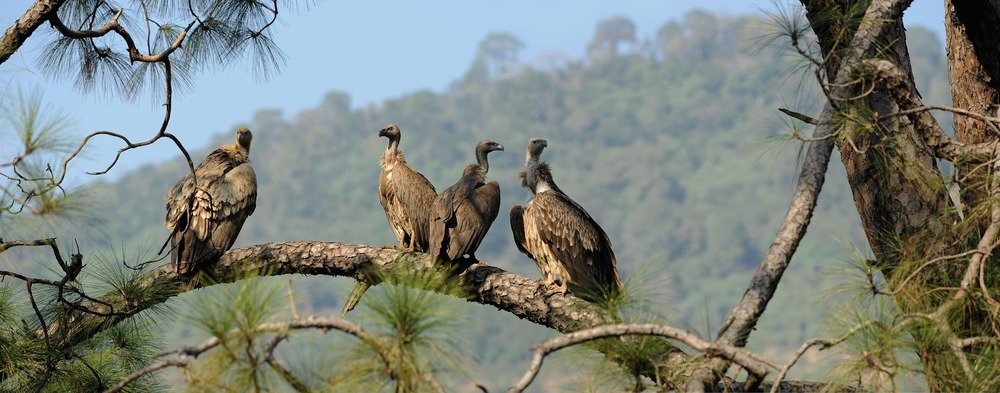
pixel 462 214
pixel 568 246
pixel 405 194
pixel 204 219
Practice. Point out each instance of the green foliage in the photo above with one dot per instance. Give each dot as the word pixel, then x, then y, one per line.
pixel 27 361
pixel 232 314
pixel 423 334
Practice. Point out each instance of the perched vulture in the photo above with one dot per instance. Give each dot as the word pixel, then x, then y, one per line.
pixel 406 197
pixel 462 214
pixel 568 246
pixel 405 194
pixel 205 218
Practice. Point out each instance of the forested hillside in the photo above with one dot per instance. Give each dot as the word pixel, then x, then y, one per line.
pixel 669 145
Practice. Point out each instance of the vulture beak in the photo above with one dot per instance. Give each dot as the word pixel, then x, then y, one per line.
pixel 381 133
pixel 499 147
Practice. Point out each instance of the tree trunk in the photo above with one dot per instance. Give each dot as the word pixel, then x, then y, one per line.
pixel 899 192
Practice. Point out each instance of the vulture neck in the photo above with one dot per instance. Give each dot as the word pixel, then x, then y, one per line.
pixel 483 163
pixel 390 151
pixel 540 179
pixel 239 152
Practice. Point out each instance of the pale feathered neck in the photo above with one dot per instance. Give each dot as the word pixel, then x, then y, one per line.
pixel 538 178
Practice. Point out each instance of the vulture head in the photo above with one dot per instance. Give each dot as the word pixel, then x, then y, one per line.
pixel 487 146
pixel 243 138
pixel 482 149
pixel 390 131
pixel 534 149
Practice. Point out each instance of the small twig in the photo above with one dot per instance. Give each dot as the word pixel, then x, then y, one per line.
pixel 801 117
pixel 826 343
pixel 925 265
pixel 973 341
pixel 990 121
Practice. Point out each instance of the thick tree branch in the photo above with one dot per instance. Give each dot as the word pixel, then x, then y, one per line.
pixel 943 146
pixel 19 32
pixel 481 283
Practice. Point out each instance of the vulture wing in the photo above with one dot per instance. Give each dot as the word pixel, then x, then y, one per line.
pixel 415 194
pixel 473 219
pixel 576 240
pixel 442 215
pixel 205 221
pixel 517 228
pixel 393 209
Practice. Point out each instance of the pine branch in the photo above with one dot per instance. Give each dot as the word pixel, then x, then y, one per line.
pixel 480 283
pixel 26 25
pixel 310 322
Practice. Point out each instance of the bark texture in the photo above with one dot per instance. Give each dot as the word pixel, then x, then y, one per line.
pixel 39 12
pixel 479 283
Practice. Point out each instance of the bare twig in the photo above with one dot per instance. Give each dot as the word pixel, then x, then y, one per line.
pixel 800 117
pixel 826 343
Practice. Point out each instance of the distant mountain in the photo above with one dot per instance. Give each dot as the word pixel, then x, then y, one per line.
pixel 669 147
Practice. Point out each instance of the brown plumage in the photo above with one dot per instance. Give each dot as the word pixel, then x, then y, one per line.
pixel 405 194
pixel 462 214
pixel 568 246
pixel 204 220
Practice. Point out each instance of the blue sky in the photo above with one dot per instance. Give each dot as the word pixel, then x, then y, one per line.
pixel 372 50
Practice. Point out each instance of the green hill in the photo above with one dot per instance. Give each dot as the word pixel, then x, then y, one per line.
pixel 666 146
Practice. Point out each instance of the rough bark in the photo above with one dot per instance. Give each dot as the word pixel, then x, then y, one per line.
pixel 479 283
pixel 743 319
pixel 972 31
pixel 39 12
pixel 891 144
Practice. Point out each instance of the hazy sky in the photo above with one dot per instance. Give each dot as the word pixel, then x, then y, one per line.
pixel 371 49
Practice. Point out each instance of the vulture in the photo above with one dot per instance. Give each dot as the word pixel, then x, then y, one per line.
pixel 568 246
pixel 206 209
pixel 462 213
pixel 406 197
pixel 405 194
